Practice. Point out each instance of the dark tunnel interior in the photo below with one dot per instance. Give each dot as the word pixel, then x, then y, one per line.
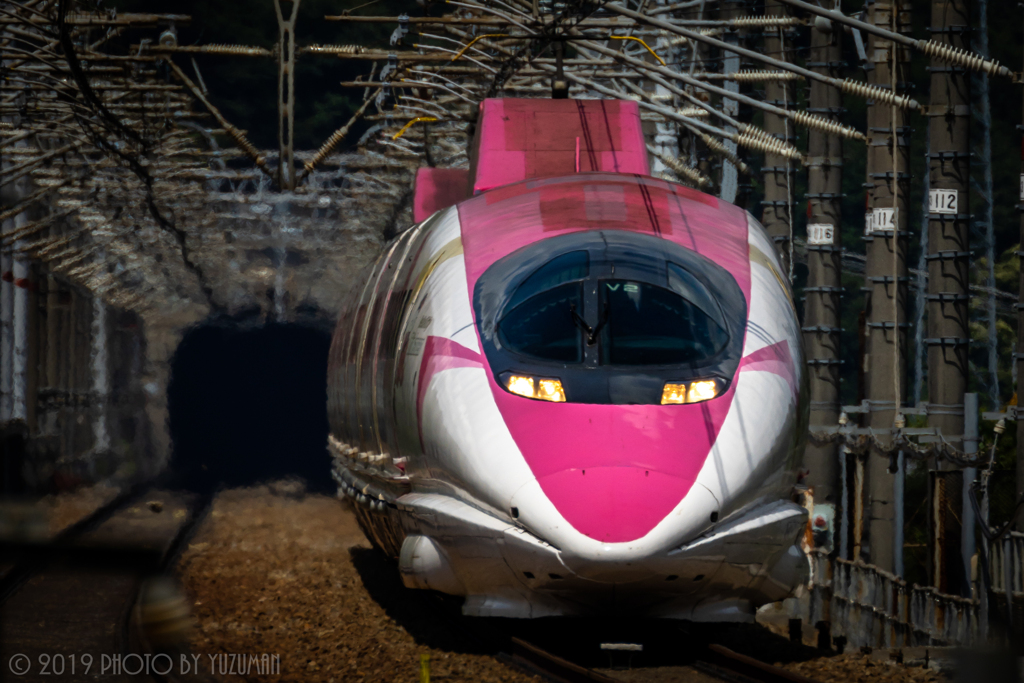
pixel 249 405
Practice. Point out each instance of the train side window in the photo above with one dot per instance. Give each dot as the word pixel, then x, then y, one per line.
pixel 363 334
pixel 398 273
pixel 337 367
pixel 348 326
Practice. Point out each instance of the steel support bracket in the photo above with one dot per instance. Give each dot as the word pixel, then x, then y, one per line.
pixel 947 341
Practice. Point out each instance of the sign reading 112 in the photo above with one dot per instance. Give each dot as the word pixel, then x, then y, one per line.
pixel 942 201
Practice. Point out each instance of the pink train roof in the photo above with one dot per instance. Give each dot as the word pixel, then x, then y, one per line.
pixel 438 188
pixel 498 222
pixel 532 138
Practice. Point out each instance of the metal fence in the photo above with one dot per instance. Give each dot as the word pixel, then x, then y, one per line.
pixel 867 606
pixel 1007 564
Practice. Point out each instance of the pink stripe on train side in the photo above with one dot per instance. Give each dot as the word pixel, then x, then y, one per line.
pixel 440 354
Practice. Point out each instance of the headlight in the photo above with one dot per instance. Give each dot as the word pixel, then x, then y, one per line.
pixel 701 390
pixel 673 393
pixel 545 389
pixel 690 392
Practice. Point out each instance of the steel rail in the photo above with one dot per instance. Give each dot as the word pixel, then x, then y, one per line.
pixel 721 657
pixel 552 667
pixel 36 554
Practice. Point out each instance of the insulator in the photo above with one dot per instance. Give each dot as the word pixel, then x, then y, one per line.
pixel 336 49
pixel 693 112
pixel 755 132
pixel 881 95
pixel 715 146
pixel 764 22
pixel 954 55
pixel 241 50
pixel 825 125
pixel 681 168
pixel 169 38
pixel 768 146
pixel 686 171
pixel 762 76
pixel 326 148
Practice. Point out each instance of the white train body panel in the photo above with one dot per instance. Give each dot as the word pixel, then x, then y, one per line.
pixel 482 493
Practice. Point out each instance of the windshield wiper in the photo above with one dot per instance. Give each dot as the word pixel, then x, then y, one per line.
pixel 591 332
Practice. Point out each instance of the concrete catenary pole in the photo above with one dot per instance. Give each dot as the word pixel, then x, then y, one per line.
pixel 15 321
pixel 286 94
pixel 777 172
pixel 1019 521
pixel 100 366
pixel 948 278
pixel 730 185
pixel 886 276
pixel 824 263
pixel 6 329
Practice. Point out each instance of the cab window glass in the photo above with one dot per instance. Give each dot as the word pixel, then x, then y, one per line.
pixel 543 326
pixel 649 325
pixel 685 284
pixel 565 268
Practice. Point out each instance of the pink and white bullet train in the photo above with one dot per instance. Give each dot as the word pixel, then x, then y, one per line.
pixel 581 393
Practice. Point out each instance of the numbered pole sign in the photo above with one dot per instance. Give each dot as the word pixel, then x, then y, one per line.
pixel 820 233
pixel 867 224
pixel 882 220
pixel 1022 187
pixel 942 201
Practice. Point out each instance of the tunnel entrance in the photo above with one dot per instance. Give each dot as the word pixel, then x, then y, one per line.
pixel 249 405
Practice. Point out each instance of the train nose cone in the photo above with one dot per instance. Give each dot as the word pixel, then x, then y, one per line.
pixel 612 472
pixel 613 504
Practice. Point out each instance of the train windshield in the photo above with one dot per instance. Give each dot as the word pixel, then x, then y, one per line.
pixel 543 325
pixel 542 321
pixel 649 325
pixel 632 322
pixel 613 315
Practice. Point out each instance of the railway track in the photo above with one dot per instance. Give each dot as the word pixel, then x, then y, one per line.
pixel 715 662
pixel 568 650
pixel 67 603
pixel 78 595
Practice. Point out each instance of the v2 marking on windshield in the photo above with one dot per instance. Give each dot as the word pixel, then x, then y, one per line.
pixel 612 287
